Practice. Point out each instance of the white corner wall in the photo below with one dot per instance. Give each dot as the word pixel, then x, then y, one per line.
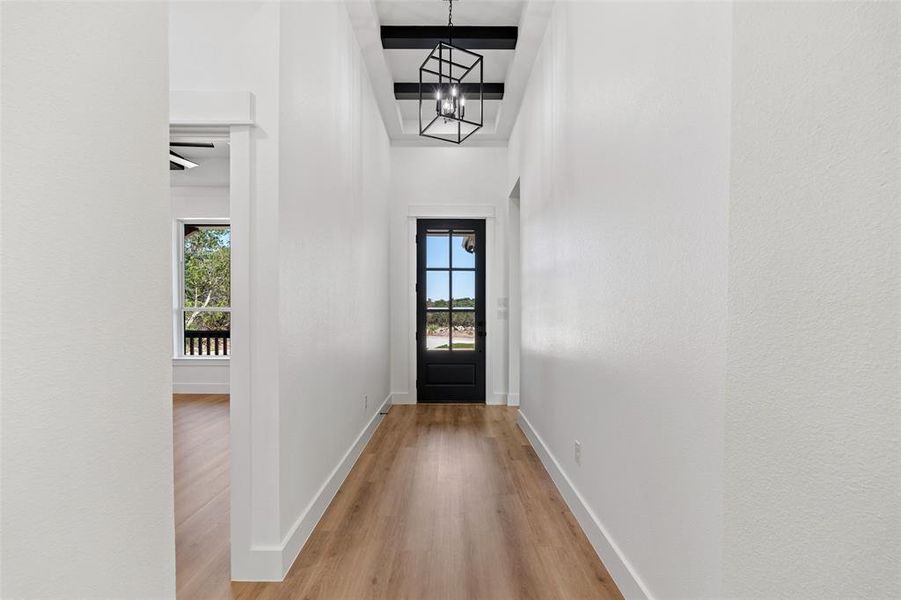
pixel 622 150
pixel 333 263
pixel 448 181
pixel 813 417
pixel 87 490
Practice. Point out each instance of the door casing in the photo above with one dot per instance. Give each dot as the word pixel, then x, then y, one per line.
pixel 477 357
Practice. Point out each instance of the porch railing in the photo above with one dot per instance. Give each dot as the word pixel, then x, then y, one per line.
pixel 207 343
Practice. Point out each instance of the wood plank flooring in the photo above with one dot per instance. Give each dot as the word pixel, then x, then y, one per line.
pixel 447 502
pixel 201 496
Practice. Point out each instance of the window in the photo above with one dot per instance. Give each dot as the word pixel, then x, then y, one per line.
pixel 450 282
pixel 203 316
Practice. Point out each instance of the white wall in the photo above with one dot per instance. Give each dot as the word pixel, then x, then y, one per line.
pixel 194 201
pixel 813 459
pixel 87 413
pixel 622 147
pixel 710 224
pixel 333 263
pixel 454 181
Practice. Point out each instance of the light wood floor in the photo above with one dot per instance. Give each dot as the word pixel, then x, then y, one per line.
pixel 201 496
pixel 447 502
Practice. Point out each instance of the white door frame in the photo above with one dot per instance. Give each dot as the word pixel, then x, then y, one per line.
pixel 496 336
pixel 231 113
pixel 514 292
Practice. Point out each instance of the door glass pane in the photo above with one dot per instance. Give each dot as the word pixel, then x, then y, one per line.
pixel 464 329
pixel 463 245
pixel 436 251
pixel 207 265
pixel 464 289
pixel 436 289
pixel 437 331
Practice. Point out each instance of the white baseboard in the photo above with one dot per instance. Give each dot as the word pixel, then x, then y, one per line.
pixel 495 399
pixel 512 399
pixel 622 572
pixel 199 388
pixel 402 398
pixel 300 532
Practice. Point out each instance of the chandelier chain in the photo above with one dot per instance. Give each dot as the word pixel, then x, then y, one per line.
pixel 450 21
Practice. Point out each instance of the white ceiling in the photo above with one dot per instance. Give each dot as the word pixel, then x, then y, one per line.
pixel 434 12
pixel 212 169
pixel 198 155
pixel 386 67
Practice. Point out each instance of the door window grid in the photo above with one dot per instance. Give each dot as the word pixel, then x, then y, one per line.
pixel 450 319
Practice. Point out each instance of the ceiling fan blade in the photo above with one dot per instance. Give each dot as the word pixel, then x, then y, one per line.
pixel 191 144
pixel 181 160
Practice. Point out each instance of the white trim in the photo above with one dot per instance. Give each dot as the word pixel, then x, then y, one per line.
pixel 402 398
pixel 199 388
pixel 451 211
pixel 622 572
pixel 241 453
pixel 199 361
pixel 279 559
pixel 512 399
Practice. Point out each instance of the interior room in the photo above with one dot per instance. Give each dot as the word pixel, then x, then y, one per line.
pixel 450 299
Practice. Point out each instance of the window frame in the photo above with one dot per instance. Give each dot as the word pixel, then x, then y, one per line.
pixel 179 289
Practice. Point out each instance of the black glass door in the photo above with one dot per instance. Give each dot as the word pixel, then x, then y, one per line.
pixel 450 310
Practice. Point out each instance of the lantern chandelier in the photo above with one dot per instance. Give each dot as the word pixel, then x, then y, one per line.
pixel 450 85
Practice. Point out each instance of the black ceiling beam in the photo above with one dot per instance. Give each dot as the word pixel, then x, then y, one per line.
pixel 410 91
pixel 420 37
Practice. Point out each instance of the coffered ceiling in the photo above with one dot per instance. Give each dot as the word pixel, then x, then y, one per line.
pixel 396 36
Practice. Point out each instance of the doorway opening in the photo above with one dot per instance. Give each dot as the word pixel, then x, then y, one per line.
pixel 450 310
pixel 201 350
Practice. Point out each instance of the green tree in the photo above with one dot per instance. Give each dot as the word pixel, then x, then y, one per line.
pixel 207 275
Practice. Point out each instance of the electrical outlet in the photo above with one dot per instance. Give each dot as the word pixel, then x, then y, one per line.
pixel 365 401
pixel 577 450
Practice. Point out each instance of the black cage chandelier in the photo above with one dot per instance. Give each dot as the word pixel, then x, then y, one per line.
pixel 450 90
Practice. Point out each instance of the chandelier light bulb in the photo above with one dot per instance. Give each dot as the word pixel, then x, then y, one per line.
pixel 454 91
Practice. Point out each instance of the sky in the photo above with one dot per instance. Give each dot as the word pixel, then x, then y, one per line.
pixel 437 256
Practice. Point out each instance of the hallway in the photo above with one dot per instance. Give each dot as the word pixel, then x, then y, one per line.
pixel 446 501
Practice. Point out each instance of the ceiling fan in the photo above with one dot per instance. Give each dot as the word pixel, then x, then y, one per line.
pixel 180 163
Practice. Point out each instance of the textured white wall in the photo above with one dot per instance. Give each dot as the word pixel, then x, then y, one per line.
pixel 87 411
pixel 333 263
pixel 812 407
pixel 622 147
pixel 445 176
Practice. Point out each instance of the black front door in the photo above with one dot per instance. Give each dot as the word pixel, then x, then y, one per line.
pixel 450 310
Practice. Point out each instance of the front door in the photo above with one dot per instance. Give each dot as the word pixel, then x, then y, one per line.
pixel 450 310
